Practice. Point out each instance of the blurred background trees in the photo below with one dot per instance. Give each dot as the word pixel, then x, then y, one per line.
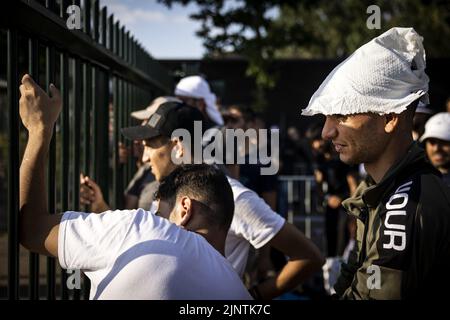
pixel 264 30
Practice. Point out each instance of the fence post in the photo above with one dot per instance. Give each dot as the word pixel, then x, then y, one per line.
pixel 50 78
pixel 77 78
pixel 13 167
pixel 33 56
pixel 65 156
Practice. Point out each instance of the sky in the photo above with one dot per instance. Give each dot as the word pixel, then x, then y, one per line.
pixel 164 33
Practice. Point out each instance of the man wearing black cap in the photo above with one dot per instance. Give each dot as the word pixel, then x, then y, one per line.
pixel 254 223
pixel 130 254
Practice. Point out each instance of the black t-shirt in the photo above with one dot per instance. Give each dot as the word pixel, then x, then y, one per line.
pixel 140 187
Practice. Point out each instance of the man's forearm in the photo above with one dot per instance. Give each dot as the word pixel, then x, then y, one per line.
pixel 33 191
pixel 293 273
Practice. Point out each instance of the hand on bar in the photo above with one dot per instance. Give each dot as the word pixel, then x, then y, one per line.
pixel 37 110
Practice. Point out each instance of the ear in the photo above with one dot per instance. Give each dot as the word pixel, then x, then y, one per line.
pixel 178 148
pixel 186 211
pixel 391 122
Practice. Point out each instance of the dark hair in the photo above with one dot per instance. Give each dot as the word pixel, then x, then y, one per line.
pixel 205 184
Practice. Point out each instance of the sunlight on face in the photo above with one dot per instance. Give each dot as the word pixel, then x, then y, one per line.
pixel 358 138
pixel 157 153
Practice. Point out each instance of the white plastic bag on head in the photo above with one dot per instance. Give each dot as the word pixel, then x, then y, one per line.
pixel 383 76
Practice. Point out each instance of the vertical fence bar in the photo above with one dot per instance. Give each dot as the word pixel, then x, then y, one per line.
pixel 133 107
pixel 104 18
pixel 126 42
pixel 130 161
pixel 51 186
pixel 127 47
pixel 13 166
pixel 290 201
pixel 111 33
pixel 96 19
pixel 308 222
pixel 122 42
pixel 102 132
pixel 87 92
pixel 33 63
pixel 87 17
pixel 117 38
pixel 50 5
pixel 50 78
pixel 77 78
pixel 123 117
pixel 87 105
pixel 116 164
pixel 65 145
pixel 95 124
pixel 118 124
pixel 132 50
pixel 65 156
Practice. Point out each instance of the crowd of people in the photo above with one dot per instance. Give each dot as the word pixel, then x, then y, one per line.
pixel 194 230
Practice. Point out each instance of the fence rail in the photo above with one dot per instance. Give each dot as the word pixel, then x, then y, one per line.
pixel 104 74
pixel 298 200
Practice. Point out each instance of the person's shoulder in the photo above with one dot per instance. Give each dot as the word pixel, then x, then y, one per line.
pixel 423 194
pixel 148 220
pixel 237 187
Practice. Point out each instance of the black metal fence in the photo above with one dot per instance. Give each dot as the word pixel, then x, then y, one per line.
pixel 103 74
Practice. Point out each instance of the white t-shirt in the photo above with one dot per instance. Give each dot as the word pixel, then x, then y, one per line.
pixel 133 254
pixel 254 223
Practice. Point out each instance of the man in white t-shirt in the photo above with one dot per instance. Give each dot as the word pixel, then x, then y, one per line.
pixel 177 253
pixel 254 223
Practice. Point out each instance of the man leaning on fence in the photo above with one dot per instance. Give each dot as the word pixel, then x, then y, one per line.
pixel 130 254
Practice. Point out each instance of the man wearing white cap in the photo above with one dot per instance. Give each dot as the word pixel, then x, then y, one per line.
pixel 403 207
pixel 437 143
pixel 195 91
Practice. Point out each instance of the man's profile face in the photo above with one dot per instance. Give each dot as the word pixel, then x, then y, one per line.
pixel 157 152
pixel 358 138
pixel 438 151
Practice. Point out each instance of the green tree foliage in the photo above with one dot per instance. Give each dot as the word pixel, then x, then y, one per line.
pixel 336 28
pixel 309 29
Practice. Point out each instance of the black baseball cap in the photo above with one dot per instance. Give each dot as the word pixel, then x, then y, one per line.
pixel 167 118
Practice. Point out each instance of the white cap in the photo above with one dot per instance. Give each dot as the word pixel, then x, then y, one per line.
pixel 197 87
pixel 438 127
pixel 147 112
pixel 383 76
